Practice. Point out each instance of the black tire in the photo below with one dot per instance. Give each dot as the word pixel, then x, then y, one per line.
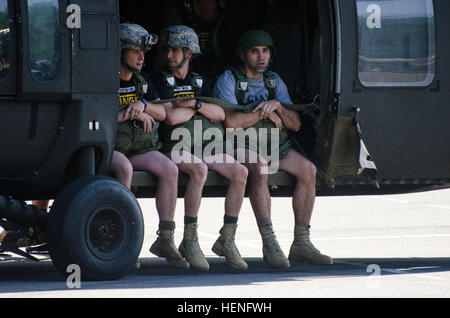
pixel 96 223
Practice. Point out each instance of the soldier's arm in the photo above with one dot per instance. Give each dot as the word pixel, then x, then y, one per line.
pixel 291 119
pixel 157 111
pixel 123 116
pixel 238 119
pixel 212 111
pixel 177 115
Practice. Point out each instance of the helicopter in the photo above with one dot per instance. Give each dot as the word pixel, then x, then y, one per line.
pixel 372 76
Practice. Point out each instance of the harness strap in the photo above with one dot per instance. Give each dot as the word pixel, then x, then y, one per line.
pixel 241 86
pixel 141 84
pixel 196 82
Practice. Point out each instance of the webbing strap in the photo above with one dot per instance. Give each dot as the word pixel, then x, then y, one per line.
pixel 245 108
pixel 241 84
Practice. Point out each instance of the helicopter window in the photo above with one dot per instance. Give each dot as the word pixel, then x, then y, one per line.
pixel 396 42
pixel 44 39
pixel 4 38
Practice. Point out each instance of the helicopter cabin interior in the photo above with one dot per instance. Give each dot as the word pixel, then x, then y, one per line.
pixel 300 59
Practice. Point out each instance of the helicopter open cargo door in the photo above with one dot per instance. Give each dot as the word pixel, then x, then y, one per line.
pixel 393 78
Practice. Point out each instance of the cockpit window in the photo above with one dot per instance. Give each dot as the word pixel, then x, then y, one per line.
pixel 396 42
pixel 4 38
pixel 44 39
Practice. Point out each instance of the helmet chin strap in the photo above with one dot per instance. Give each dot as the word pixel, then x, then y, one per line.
pixel 125 63
pixel 132 69
pixel 257 69
pixel 185 58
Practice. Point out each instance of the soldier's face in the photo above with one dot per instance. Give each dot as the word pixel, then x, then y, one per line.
pixel 257 58
pixel 174 56
pixel 135 58
pixel 206 10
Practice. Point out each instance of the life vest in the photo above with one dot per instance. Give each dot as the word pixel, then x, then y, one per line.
pixel 183 91
pixel 175 91
pixel 131 137
pixel 241 88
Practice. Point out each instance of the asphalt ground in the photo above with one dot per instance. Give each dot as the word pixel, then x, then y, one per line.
pixel 392 246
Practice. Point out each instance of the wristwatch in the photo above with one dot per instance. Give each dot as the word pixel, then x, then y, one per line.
pixel 198 105
pixel 144 102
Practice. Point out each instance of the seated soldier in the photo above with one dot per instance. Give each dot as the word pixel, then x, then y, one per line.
pixel 180 43
pixel 252 84
pixel 137 141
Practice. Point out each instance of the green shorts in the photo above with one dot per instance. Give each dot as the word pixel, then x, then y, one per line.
pixel 263 142
pixel 132 140
pixel 198 131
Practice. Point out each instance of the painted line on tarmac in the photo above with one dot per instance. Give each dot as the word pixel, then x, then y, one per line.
pixel 398 271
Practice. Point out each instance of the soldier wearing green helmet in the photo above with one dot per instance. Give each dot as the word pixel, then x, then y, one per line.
pixel 254 38
pixel 137 141
pixel 263 92
pixel 177 81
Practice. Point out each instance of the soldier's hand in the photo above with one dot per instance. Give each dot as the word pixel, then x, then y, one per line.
pixel 134 110
pixel 147 120
pixel 267 107
pixel 273 117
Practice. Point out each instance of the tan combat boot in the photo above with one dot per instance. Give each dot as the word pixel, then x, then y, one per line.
pixel 164 246
pixel 190 248
pixel 225 246
pixel 272 252
pixel 302 250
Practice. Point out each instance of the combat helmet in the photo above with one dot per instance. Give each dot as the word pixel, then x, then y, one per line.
pixel 181 36
pixel 254 38
pixel 133 36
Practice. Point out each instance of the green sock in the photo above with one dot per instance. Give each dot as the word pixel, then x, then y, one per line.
pixel 167 225
pixel 190 219
pixel 230 219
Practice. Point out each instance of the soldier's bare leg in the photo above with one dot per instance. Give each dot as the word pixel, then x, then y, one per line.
pixel 198 172
pixel 302 250
pixel 305 188
pixel 167 173
pixel 259 194
pixel 261 203
pixel 121 168
pixel 236 173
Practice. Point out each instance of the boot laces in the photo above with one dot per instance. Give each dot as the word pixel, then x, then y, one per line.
pixel 271 240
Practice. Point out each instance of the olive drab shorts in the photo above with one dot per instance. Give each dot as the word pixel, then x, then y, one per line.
pixel 282 146
pixel 133 140
pixel 196 127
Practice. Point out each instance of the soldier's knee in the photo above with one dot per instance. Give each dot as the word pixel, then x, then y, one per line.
pixel 309 173
pixel 200 172
pixel 257 172
pixel 171 171
pixel 240 174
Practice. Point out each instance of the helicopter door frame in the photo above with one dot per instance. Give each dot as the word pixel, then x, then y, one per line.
pixel 405 127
